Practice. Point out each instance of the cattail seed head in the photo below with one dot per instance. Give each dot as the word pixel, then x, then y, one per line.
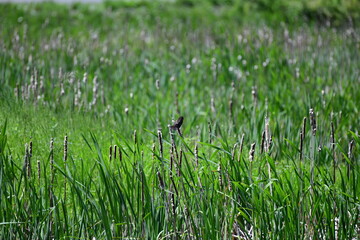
pixel 52 175
pixel 332 143
pixel 332 136
pixel 350 148
pixel 65 164
pixel 31 148
pixel 262 142
pixel 39 170
pixel 268 138
pixel 220 176
pixel 231 108
pixel 157 84
pixel 349 155
pixel 210 132
pixel 52 158
pixel 323 97
pixel 228 181
pixel 173 144
pixel 27 161
pixel 160 143
pixel 196 153
pixel 115 151
pixel 252 152
pixel 62 89
pixel 173 207
pixel 233 86
pixel 65 148
pixel 85 78
pixel 110 152
pixel 212 102
pixel 95 91
pixel 120 155
pixel 303 129
pixel 241 146
pixel 135 137
pixel 51 144
pixel 161 182
pixel 29 155
pixel 254 94
pixel 234 152
pixel 302 140
pixel 312 121
pixel 319 148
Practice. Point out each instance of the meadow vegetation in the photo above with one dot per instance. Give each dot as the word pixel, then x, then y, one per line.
pixel 270 139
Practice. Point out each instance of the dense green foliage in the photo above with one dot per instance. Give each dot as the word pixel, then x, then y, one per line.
pixel 105 75
pixel 336 11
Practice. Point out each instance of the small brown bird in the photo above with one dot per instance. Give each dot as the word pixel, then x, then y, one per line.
pixel 177 125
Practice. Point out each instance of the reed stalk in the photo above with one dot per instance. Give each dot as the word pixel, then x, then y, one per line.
pixel 110 152
pixel 312 169
pixel 241 146
pixel 349 155
pixel 65 162
pixel 51 192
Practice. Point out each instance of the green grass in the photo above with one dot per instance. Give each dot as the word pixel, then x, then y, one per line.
pixel 153 64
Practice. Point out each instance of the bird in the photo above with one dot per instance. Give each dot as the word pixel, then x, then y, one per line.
pixel 177 125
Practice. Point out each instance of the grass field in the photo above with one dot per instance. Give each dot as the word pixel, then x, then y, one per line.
pixel 269 147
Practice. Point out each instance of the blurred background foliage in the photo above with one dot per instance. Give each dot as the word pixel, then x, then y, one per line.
pixel 337 11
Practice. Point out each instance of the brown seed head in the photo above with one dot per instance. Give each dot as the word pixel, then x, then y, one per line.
pixel 312 121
